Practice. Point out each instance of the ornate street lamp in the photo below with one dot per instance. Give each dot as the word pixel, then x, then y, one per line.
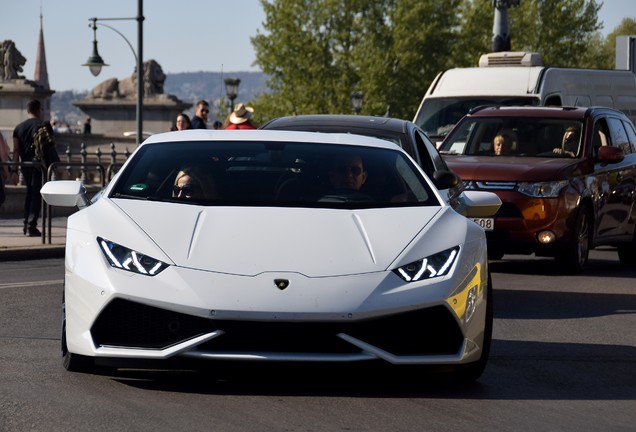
pixel 231 88
pixel 95 61
pixel 356 100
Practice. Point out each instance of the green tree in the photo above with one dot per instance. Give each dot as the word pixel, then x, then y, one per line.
pixel 607 55
pixel 318 51
pixel 564 32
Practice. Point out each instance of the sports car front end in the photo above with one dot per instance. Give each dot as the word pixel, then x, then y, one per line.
pixel 398 281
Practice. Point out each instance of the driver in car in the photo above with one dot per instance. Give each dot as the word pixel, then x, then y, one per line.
pixel 570 143
pixel 348 172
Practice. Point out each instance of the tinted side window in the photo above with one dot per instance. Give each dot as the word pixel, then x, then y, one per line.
pixel 427 147
pixel 600 136
pixel 618 134
pixel 631 135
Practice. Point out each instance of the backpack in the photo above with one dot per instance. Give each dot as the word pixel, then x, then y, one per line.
pixel 44 146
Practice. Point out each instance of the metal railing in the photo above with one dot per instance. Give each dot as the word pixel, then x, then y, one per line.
pixel 77 166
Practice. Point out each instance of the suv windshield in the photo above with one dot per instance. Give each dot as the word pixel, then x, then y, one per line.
pixel 437 116
pixel 273 174
pixel 515 136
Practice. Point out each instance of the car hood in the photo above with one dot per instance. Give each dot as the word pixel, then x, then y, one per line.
pixel 253 240
pixel 504 168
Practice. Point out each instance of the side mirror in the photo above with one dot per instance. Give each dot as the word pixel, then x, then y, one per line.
pixel 609 154
pixel 444 179
pixel 65 193
pixel 475 204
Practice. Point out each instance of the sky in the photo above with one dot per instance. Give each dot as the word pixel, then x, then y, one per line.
pixel 182 36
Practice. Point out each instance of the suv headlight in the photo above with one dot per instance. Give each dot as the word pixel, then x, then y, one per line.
pixel 127 259
pixel 432 266
pixel 542 189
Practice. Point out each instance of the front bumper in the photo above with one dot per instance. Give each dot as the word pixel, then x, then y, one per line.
pixel 128 328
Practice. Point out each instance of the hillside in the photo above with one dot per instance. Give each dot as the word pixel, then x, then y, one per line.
pixel 187 86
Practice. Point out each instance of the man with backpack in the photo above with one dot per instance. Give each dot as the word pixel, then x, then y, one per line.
pixel 23 151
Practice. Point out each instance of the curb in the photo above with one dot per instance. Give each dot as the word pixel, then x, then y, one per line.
pixel 31 253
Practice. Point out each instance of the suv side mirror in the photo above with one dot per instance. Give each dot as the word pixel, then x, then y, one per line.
pixel 609 154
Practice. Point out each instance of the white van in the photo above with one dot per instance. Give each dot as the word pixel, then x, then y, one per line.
pixel 519 78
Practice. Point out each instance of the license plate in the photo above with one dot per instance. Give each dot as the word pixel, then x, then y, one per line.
pixel 488 224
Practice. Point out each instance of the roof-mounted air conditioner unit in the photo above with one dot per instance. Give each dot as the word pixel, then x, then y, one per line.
pixel 510 58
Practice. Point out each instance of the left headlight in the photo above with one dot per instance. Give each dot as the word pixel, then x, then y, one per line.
pixel 542 189
pixel 432 266
pixel 127 259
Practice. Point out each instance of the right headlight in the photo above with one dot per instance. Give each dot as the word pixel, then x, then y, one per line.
pixel 127 259
pixel 542 189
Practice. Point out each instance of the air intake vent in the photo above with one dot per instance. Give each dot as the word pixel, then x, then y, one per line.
pixel 510 58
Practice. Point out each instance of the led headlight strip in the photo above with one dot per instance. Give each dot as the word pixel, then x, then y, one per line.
pixel 127 259
pixel 432 266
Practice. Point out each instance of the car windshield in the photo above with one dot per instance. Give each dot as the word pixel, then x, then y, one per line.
pixel 515 136
pixel 438 116
pixel 273 174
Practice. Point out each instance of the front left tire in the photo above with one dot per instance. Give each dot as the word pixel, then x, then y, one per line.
pixel 576 252
pixel 73 362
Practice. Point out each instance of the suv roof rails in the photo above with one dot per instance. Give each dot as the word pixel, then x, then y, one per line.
pixel 481 107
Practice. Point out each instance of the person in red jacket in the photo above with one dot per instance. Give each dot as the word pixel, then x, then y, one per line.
pixel 240 117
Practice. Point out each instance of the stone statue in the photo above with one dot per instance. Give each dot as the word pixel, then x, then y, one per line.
pixel 153 78
pixel 12 61
pixel 127 88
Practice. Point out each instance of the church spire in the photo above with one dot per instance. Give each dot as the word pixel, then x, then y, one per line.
pixel 41 74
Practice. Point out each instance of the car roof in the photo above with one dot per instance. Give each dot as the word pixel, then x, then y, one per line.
pixel 269 135
pixel 339 120
pixel 564 112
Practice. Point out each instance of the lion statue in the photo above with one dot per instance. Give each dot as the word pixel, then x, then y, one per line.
pixel 127 88
pixel 12 61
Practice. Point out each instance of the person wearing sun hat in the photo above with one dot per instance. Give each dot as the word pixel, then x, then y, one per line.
pixel 240 118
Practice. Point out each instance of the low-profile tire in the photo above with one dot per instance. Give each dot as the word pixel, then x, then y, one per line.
pixel 469 372
pixel 574 257
pixel 73 362
pixel 627 253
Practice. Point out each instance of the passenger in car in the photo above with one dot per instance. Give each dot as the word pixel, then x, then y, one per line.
pixel 189 183
pixel 502 144
pixel 570 143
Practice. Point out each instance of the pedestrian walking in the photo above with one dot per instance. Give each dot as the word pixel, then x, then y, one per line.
pixel 201 111
pixel 86 130
pixel 23 151
pixel 182 122
pixel 4 169
pixel 240 118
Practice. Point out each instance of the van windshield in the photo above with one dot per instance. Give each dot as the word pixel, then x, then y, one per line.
pixel 438 116
pixel 515 136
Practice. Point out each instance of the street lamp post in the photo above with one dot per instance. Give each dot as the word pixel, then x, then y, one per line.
pixel 231 88
pixel 356 100
pixel 95 61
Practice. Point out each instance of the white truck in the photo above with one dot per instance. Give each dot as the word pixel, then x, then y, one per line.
pixel 519 78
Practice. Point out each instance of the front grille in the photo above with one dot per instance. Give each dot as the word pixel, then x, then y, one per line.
pixel 508 210
pixel 429 331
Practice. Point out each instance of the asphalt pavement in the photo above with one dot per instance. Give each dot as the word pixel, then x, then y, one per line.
pixel 14 245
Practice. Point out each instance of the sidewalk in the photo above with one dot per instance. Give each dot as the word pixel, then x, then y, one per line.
pixel 14 245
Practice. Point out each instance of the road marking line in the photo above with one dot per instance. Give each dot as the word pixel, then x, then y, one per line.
pixel 30 284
